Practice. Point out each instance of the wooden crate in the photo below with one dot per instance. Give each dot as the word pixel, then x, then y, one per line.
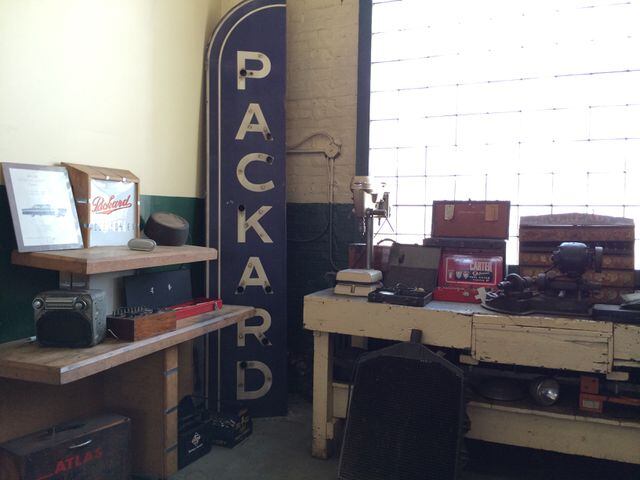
pixel 543 259
pixel 107 201
pixel 576 227
pixel 541 235
pixel 144 326
pixel 606 278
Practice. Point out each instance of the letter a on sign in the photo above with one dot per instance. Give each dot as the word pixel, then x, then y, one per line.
pixel 246 205
pixel 247 125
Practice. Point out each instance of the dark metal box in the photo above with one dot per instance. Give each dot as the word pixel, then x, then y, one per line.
pixel 229 429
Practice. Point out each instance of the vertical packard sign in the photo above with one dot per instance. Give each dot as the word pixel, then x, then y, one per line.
pixel 246 203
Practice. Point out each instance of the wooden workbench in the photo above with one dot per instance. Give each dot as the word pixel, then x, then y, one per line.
pixel 40 387
pixel 579 345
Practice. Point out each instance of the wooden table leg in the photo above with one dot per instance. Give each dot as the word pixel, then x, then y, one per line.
pixel 146 390
pixel 322 395
pixel 171 411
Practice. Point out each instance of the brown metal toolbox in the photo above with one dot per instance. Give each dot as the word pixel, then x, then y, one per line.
pixel 470 219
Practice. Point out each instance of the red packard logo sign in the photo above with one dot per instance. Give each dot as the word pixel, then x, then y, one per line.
pixel 103 206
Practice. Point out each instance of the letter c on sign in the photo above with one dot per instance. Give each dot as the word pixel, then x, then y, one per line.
pixel 241 172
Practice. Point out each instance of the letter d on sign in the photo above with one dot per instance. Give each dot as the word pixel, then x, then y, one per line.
pixel 242 367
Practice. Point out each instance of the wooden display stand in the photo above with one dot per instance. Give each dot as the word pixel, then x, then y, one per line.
pixel 40 387
pixel 580 345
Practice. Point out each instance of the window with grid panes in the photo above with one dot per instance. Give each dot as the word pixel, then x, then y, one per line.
pixel 535 102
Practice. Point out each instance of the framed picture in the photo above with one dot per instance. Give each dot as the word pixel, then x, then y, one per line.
pixel 42 207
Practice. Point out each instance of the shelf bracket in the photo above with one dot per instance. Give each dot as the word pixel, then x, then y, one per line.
pixel 68 280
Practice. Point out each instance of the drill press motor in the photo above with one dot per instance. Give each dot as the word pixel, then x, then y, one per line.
pixel 562 293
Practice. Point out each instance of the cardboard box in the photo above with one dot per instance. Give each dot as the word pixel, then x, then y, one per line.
pixel 107 201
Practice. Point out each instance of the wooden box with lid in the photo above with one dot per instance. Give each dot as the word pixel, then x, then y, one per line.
pixel 107 201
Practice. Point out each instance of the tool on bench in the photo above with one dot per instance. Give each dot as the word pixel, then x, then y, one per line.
pixel 563 293
pixel 401 295
pixel 369 201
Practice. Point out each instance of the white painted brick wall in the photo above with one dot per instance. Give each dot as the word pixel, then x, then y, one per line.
pixel 322 62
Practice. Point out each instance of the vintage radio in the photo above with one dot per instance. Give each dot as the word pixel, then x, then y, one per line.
pixel 88 449
pixel 70 318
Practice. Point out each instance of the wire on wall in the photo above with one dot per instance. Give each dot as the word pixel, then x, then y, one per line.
pixel 331 151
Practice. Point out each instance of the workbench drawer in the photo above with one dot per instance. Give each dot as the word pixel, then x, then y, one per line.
pixel 511 341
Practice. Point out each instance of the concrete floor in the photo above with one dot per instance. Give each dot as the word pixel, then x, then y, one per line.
pixel 279 449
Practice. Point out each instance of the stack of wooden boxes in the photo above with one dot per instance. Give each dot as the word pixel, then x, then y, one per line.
pixel 541 235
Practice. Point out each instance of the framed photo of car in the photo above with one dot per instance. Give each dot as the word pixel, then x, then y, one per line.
pixel 42 207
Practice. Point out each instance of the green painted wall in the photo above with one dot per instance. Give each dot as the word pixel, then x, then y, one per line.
pixel 308 262
pixel 18 285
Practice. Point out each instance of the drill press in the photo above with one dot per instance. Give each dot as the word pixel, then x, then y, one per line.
pixel 370 201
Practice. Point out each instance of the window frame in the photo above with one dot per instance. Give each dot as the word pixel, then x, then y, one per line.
pixel 365 26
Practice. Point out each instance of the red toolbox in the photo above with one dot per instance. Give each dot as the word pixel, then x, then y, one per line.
pixel 461 275
pixel 195 307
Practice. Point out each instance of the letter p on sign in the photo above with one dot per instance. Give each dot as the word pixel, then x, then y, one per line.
pixel 244 72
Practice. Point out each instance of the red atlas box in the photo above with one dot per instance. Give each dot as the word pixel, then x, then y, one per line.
pixel 460 276
pixel 93 448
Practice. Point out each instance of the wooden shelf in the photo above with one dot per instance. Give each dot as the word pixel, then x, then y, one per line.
pixel 89 261
pixel 26 360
